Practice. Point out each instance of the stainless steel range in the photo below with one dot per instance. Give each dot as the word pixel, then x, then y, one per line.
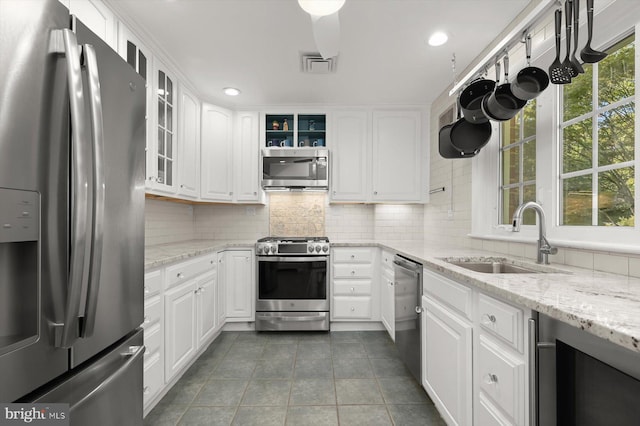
pixel 293 284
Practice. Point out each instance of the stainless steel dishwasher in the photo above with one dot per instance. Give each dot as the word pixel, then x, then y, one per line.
pixel 408 293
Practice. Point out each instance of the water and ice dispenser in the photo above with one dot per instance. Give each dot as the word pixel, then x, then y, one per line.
pixel 19 281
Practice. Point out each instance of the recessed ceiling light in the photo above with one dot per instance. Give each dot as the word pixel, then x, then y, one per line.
pixel 231 91
pixel 438 39
pixel 321 7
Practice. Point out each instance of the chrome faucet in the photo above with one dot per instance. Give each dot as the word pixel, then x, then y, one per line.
pixel 544 248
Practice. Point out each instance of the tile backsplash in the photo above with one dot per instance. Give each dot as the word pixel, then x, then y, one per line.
pixel 297 214
pixel 290 214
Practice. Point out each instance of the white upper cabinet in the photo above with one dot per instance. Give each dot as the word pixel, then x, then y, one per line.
pixel 350 158
pixel 397 154
pixel 216 180
pixel 247 157
pixel 95 15
pixel 163 159
pixel 189 148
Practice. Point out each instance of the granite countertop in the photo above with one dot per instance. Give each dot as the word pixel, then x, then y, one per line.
pixel 603 304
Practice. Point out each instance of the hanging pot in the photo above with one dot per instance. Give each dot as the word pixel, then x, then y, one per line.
pixel 530 81
pixel 467 138
pixel 501 104
pixel 470 100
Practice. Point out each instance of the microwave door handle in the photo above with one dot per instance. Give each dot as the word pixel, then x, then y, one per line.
pixel 97 231
pixel 66 332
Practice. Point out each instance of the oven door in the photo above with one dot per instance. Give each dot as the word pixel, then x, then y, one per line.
pixel 292 283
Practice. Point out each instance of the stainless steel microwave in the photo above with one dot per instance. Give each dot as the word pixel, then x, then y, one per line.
pixel 295 168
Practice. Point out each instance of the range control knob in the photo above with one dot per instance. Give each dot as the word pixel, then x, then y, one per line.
pixel 318 248
pixel 273 249
pixel 325 248
pixel 259 250
pixel 310 249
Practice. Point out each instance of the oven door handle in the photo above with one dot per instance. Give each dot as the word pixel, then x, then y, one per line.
pixel 292 258
pixel 291 318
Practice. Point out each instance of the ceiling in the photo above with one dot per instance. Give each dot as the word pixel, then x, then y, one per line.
pixel 255 45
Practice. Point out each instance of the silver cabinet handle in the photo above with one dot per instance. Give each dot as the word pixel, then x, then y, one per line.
pixel 488 319
pixel 353 309
pixel 180 275
pixel 418 309
pixel 99 188
pixel 146 290
pixel 490 378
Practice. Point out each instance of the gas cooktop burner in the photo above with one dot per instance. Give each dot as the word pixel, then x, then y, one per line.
pixel 310 246
pixel 292 239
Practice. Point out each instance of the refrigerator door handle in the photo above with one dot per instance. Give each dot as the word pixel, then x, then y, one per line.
pixel 97 231
pixel 66 333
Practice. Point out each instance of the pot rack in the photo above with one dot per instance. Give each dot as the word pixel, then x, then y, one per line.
pixel 513 37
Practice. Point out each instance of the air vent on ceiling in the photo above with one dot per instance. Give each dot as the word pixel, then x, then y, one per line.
pixel 314 63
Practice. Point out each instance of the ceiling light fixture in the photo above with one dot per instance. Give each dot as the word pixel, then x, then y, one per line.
pixel 321 7
pixel 438 39
pixel 231 91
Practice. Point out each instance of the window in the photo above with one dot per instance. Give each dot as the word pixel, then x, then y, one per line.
pixel 165 129
pixel 518 164
pixel 597 142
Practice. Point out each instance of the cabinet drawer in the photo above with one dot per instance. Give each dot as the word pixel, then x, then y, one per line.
pixel 353 255
pixel 386 259
pixel 352 287
pixel 152 341
pixel 182 271
pixel 152 283
pixel 501 319
pixel 352 307
pixel 501 377
pixel 152 313
pixel 153 379
pixel 353 271
pixel 452 294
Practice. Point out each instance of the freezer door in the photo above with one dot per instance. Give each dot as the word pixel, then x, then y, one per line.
pixel 34 161
pixel 106 391
pixel 114 302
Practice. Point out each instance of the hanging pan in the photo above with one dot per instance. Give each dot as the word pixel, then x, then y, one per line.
pixel 467 138
pixel 501 104
pixel 470 100
pixel 530 81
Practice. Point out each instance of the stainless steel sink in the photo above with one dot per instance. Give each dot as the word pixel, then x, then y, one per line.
pixel 495 268
pixel 498 265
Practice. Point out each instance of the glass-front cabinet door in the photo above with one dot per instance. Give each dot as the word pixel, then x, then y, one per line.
pixel 312 130
pixel 165 144
pixel 295 130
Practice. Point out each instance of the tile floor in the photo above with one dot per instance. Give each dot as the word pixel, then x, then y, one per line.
pixel 336 378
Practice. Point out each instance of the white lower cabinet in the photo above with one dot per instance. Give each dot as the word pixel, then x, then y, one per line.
pixel 387 303
pixel 474 354
pixel 239 277
pixel 206 289
pixel 353 287
pixel 185 308
pixel 447 353
pixel 180 320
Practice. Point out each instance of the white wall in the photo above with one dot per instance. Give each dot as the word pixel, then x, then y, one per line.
pixel 167 222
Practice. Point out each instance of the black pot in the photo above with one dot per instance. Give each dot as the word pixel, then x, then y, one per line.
pixel 468 137
pixel 470 100
pixel 530 81
pixel 502 104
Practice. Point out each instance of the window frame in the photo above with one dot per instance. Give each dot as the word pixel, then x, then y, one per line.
pixel 486 177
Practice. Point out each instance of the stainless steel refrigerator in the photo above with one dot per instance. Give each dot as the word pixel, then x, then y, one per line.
pixel 72 140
